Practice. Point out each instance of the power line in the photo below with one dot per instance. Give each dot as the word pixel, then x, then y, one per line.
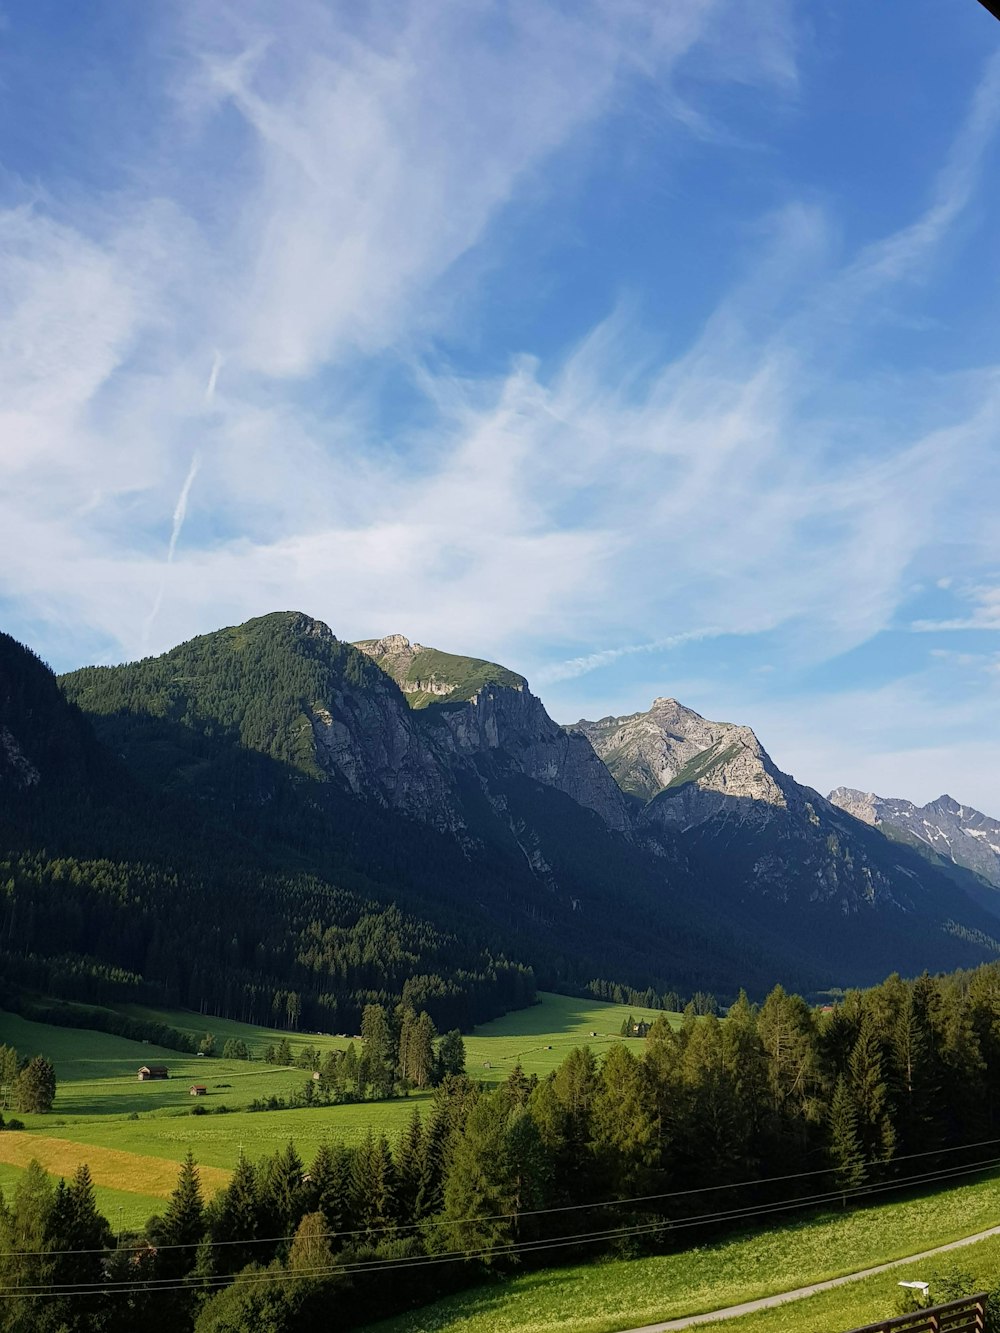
pixel 507 1249
pixel 542 1212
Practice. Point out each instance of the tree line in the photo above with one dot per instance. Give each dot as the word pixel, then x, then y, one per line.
pixel 771 1106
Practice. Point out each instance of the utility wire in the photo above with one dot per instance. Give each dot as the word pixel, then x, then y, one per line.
pixel 207 1281
pixel 542 1212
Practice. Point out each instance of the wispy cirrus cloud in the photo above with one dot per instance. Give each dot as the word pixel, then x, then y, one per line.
pixel 308 229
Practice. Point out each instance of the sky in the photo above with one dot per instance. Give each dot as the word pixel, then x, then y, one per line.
pixel 648 348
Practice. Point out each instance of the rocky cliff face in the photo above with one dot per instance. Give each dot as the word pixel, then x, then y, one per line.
pixel 733 779
pixel 714 789
pixel 646 751
pixel 468 708
pixel 955 832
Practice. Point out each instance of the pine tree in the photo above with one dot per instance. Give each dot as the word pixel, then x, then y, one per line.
pixel 373 1186
pixel 282 1192
pixel 328 1188
pixel 420 1057
pixel 24 1249
pixel 409 1165
pixel 846 1152
pixel 177 1236
pixel 451 1054
pixel 35 1086
pixel 624 1126
pixel 493 1177
pixel 378 1056
pixel 870 1094
pixel 77 1234
pixel 234 1221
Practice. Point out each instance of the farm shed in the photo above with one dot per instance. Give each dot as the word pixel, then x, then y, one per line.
pixel 148 1072
pixel 198 1090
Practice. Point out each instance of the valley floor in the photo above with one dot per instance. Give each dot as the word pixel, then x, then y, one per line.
pixel 133 1135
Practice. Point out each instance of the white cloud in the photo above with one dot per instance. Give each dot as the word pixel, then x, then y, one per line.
pixel 621 494
pixel 579 666
pixel 985 613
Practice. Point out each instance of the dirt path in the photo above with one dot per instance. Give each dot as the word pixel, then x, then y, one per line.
pixel 766 1302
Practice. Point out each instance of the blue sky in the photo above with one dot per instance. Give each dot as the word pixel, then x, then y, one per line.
pixel 648 348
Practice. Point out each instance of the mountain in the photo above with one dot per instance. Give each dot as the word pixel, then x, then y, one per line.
pixel 952 832
pixel 644 752
pixel 472 807
pixel 268 808
pixel 472 708
pixel 808 867
pixel 126 881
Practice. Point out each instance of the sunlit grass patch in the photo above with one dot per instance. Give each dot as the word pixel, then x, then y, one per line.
pixel 111 1167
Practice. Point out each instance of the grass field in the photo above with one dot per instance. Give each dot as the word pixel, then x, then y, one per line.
pixel 134 1134
pixel 871 1299
pixel 124 1209
pixel 101 1106
pixel 609 1295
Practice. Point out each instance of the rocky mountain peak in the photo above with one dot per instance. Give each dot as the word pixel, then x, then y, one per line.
pixel 862 805
pixel 395 646
pixel 646 751
pixel 944 827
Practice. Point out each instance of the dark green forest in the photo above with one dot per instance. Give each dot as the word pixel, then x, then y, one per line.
pixel 663 1143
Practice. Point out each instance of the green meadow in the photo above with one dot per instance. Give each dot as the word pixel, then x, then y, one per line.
pixel 608 1295
pixel 101 1103
pixel 133 1134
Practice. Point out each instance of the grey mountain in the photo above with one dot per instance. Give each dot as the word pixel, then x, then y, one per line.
pixel 687 844
pixel 955 832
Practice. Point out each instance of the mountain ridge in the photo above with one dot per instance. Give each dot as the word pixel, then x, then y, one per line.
pixel 481 810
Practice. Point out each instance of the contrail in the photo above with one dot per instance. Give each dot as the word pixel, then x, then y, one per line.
pixel 180 512
pixel 213 377
pixel 180 508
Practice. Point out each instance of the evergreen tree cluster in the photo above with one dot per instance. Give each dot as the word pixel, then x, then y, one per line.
pixel 26 1084
pixel 772 1105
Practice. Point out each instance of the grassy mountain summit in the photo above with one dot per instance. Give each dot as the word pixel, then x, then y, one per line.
pixel 428 676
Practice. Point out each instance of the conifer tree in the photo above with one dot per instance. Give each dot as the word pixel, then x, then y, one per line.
pixel 24 1249
pixel 451 1054
pixel 282 1191
pixel 624 1129
pixel 35 1085
pixel 409 1165
pixel 378 1056
pixel 373 1186
pixel 846 1152
pixel 234 1219
pixel 328 1188
pixel 493 1177
pixel 870 1095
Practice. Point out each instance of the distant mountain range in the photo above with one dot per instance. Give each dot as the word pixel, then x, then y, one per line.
pixel 950 831
pixel 658 849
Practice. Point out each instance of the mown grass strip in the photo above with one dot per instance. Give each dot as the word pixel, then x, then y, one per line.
pixel 870 1299
pixel 111 1167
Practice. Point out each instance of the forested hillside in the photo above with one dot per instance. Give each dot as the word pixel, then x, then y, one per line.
pixel 111 889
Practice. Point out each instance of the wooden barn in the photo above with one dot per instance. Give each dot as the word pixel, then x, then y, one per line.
pixel 198 1090
pixel 148 1072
